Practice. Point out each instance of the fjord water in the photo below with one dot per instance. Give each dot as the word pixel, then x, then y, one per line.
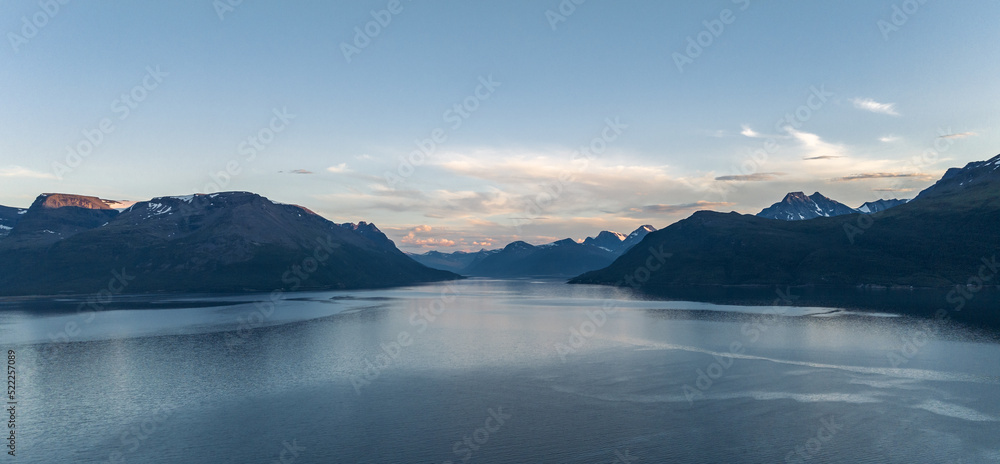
pixel 494 371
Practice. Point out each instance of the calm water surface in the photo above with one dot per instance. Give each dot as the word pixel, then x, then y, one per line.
pixel 494 372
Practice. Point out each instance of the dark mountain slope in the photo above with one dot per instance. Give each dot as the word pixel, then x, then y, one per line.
pixel 232 241
pixel 561 258
pixel 937 239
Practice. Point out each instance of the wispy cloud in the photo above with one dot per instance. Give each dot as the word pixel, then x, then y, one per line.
pixel 960 135
pixel 888 139
pixel 757 177
pixel 892 190
pixel 342 167
pixel 667 209
pixel 300 171
pixel 18 171
pixel 814 146
pixel 883 175
pixel 822 157
pixel 868 104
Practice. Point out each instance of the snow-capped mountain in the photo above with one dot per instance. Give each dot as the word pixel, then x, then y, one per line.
pixel 796 206
pixel 606 239
pixel 636 236
pixel 616 242
pixel 974 174
pixel 877 206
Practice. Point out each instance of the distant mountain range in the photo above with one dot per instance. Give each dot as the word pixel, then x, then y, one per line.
pixel 945 236
pixel 224 242
pixel 563 258
pixel 796 206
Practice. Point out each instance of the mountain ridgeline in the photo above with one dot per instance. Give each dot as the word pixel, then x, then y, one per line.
pixel 562 258
pixel 946 236
pixel 224 242
pixel 796 206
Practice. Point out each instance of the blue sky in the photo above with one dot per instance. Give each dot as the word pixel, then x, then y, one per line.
pixel 899 91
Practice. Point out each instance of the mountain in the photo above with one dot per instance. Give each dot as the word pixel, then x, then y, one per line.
pixel 562 258
pixel 618 243
pixel 8 218
pixel 871 207
pixel 606 239
pixel 521 259
pixel 57 216
pixel 636 236
pixel 943 237
pixel 797 206
pixel 224 242
pixel 455 262
pixel 970 177
pixel 370 232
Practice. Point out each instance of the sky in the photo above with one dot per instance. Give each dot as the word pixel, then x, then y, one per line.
pixel 457 125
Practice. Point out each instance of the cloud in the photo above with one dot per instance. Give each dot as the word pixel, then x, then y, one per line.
pixel 814 146
pixel 18 171
pixel 892 190
pixel 957 136
pixel 883 175
pixel 300 171
pixel 868 104
pixel 342 167
pixel 412 238
pixel 757 177
pixel 822 157
pixel 668 209
pixel 748 132
pixel 888 139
